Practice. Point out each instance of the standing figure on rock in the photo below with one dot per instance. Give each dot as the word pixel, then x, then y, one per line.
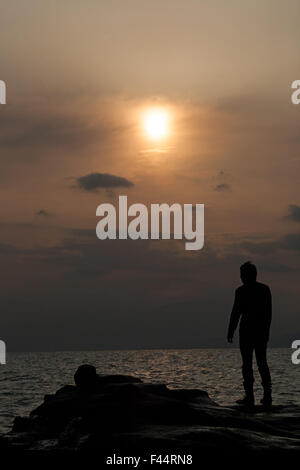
pixel 253 308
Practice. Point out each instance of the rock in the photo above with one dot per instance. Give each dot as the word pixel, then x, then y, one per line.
pixel 87 379
pixel 121 412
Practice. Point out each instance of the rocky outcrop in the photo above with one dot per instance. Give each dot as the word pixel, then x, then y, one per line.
pixel 106 413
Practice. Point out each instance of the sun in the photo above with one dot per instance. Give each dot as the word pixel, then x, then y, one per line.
pixel 156 123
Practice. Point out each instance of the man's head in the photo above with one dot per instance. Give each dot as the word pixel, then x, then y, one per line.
pixel 248 272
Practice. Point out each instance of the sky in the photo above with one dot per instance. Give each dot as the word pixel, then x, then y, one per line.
pixel 80 75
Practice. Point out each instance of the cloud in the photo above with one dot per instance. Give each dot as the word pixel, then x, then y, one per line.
pixel 222 187
pixel 289 242
pixel 7 249
pixel 155 284
pixel 95 181
pixel 43 213
pixel 35 129
pixel 293 213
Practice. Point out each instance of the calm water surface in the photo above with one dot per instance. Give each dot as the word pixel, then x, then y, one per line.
pixel 27 377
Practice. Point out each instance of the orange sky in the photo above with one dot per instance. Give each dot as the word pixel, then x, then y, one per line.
pixel 79 75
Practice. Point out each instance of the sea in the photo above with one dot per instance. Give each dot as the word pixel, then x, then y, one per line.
pixel 27 377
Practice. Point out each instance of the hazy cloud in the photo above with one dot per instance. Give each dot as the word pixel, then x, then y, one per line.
pixel 7 249
pixel 86 273
pixel 95 181
pixel 222 187
pixel 33 129
pixel 43 213
pixel 289 242
pixel 293 213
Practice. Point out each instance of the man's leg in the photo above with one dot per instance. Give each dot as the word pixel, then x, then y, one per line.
pixel 246 348
pixel 262 364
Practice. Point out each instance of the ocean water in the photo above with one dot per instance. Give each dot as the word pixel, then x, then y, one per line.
pixel 27 377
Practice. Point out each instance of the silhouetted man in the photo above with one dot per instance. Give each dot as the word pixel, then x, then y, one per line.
pixel 253 307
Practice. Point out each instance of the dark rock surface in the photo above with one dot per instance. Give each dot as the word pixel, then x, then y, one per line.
pixel 106 413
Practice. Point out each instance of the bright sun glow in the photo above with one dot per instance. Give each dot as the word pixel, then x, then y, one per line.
pixel 156 123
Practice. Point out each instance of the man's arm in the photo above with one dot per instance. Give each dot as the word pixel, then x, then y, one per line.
pixel 268 313
pixel 234 318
